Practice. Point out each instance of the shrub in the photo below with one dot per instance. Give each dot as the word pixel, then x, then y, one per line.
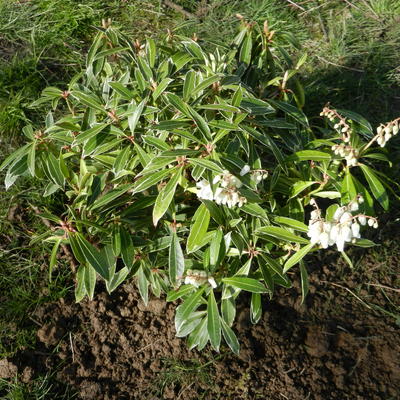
pixel 197 172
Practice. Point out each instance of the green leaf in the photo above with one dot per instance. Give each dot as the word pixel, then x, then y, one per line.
pixel 178 104
pixel 89 100
pixel 255 308
pixel 188 85
pixel 248 284
pixel 165 197
pixel 205 84
pixel 304 281
pixel 348 188
pixel 365 243
pixel 15 156
pixel 127 248
pixel 143 285
pixel 198 229
pixel 181 292
pixel 93 257
pixel 293 111
pixel 205 163
pixel 309 155
pixel 90 280
pixel 90 133
pixel 291 223
pixel 254 209
pixel 122 90
pixel 54 170
pixel 296 257
pixel 280 233
pixel 161 88
pixel 245 49
pixel 176 261
pixel 188 306
pixel 31 159
pixel 135 111
pixel 376 186
pixel 117 279
pixel 146 182
pixel 201 124
pixel 111 195
pixel 213 322
pixel 217 249
pixel 299 186
pixel 230 337
pixel 80 288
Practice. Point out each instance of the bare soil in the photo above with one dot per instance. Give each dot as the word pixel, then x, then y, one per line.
pixel 337 345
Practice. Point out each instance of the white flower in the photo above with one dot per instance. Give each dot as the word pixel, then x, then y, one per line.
pixel 345 218
pixel 344 227
pixel 205 191
pixel 245 170
pixel 338 213
pixel 354 206
pixel 199 277
pixel 340 243
pixel 362 219
pixel 324 240
pixel 355 229
pixel 370 222
pixel 212 282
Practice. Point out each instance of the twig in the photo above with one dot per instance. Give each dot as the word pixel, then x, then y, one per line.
pixel 185 388
pixel 340 66
pixel 351 4
pixel 296 5
pixel 384 287
pixel 72 347
pixel 180 9
pixel 348 290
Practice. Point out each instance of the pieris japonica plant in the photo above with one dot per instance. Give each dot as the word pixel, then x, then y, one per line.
pixel 196 173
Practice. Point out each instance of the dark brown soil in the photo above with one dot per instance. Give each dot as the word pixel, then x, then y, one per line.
pixel 337 345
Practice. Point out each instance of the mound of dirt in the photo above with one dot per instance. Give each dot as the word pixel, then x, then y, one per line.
pixel 114 347
pixel 342 343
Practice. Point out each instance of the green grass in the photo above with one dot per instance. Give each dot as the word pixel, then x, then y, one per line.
pixel 41 388
pixel 24 277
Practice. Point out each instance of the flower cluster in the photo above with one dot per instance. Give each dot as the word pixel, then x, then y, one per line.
pixel 340 122
pixel 386 132
pixel 344 228
pixel 348 152
pixel 198 277
pixel 227 192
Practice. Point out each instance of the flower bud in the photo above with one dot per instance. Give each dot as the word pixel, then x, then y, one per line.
pixel 375 224
pixel 370 222
pixel 395 129
pixel 345 218
pixel 379 130
pixel 355 229
pixel 338 213
pixel 245 170
pixel 354 206
pixel 388 129
pixel 360 199
pixel 362 219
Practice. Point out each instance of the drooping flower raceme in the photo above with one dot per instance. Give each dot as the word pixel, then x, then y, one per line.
pixel 344 227
pixel 198 277
pixel 226 193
